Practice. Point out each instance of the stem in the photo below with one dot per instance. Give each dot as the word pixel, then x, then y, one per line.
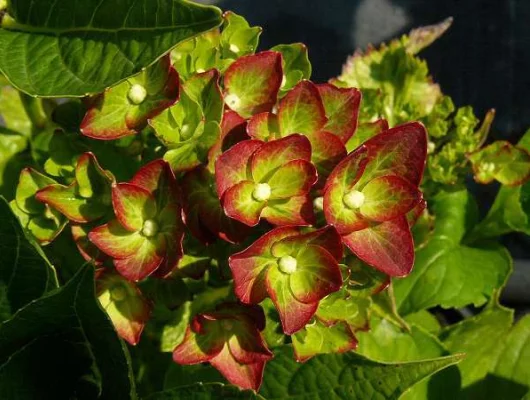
pixel 34 110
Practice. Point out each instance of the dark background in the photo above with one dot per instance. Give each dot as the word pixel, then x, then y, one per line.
pixel 482 61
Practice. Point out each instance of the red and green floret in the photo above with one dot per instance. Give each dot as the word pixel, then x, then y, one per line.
pixel 146 236
pixel 325 114
pixel 87 198
pixel 267 180
pixel 230 339
pixel 368 195
pixel 202 210
pixel 295 269
pixel 124 109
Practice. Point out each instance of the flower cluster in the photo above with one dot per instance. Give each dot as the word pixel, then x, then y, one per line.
pixel 245 163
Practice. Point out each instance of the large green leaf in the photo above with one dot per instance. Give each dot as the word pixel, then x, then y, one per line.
pixel 25 273
pixel 346 376
pixel 497 354
pixel 73 48
pixel 510 211
pixel 209 391
pixel 63 346
pixel 448 272
pixel 386 342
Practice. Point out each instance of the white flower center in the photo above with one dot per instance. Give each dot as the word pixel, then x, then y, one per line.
pixel 353 199
pixel 150 228
pixel 234 48
pixel 287 264
pixel 137 94
pixel 318 203
pixel 262 192
pixel 233 101
pixel 200 70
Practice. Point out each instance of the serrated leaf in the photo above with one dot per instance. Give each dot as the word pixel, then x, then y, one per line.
pixel 387 342
pixel 92 46
pixel 491 326
pixel 343 376
pixel 71 342
pixel 496 365
pixel 25 272
pixel 470 271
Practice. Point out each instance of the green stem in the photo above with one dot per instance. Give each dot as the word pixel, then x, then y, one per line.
pixel 34 110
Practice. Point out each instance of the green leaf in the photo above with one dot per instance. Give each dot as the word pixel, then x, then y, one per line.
pixel 509 211
pixel 501 161
pixel 25 272
pixel 90 45
pixel 497 354
pixel 346 376
pixel 425 320
pixel 208 391
pixel 449 272
pixel 238 37
pixel 318 338
pixel 295 62
pixel 62 345
pixel 13 112
pixel 174 330
pixel 388 343
pixel 196 55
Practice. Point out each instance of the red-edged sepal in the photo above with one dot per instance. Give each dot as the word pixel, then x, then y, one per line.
pixel 291 268
pixel 125 108
pixel 148 232
pixel 342 109
pixel 270 180
pixel 128 310
pixel 252 83
pixel 202 210
pixel 387 246
pixel 230 339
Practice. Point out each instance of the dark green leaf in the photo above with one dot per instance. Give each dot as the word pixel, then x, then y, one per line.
pixel 346 376
pixel 86 46
pixel 25 273
pixel 64 346
pixel 209 391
